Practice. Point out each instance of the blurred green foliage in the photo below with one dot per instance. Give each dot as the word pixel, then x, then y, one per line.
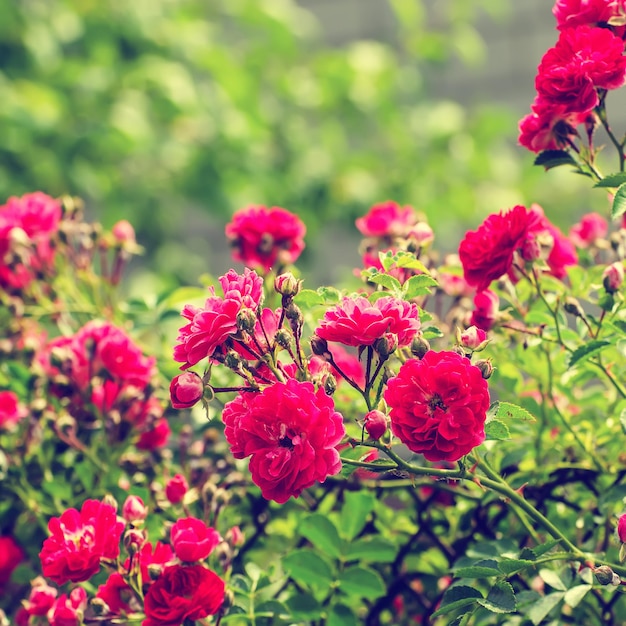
pixel 166 112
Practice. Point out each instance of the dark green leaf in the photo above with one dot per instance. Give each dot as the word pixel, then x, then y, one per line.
pixel 537 611
pixel 554 158
pixel 612 180
pixel 304 606
pixel 342 615
pixel 372 549
pixel 240 584
pixel 431 332
pixel 272 609
pixel 457 597
pixel 361 582
pixel 543 548
pixel 495 429
pixel 606 301
pixel 480 569
pixel 321 532
pixel 512 566
pixel 584 352
pixel 357 507
pixel 500 599
pixel 305 566
pixel 508 411
pixel 619 202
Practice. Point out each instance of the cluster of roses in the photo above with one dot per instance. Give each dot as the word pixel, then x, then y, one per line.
pixel 102 376
pixel 283 416
pixel 166 582
pixel 575 75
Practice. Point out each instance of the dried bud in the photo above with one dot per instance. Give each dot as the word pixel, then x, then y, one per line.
pixel 606 576
pixel 134 510
pixel 572 306
pixel 294 315
pixel 375 423
pixel 319 347
pixel 330 385
pixel 176 488
pixel 233 361
pixel 283 338
pixel 419 347
pixel 287 285
pixel 386 345
pixel 186 389
pixel 154 570
pixel 246 320
pixel 99 607
pixel 613 277
pixel 485 367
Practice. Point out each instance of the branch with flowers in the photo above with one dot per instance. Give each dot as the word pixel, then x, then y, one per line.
pixel 437 440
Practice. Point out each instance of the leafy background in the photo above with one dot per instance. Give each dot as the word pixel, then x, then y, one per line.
pixel 174 113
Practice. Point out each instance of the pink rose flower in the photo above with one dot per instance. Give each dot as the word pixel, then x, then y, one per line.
pixel 11 555
pixel 357 322
pixel 621 528
pixel 290 431
pixel 613 276
pixel 263 238
pixel 134 510
pixel 11 410
pixel 117 594
pixel 485 313
pixel 473 337
pixel 487 253
pixel 439 405
pixel 570 13
pixel 155 436
pixel 186 389
pixel 176 488
pixel 592 226
pixel 68 610
pixel 78 541
pixel 387 219
pixel 192 539
pixel 41 598
pixel 376 423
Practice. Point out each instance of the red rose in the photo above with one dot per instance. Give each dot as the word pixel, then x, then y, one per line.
pixel 11 555
pixel 359 322
pixel 592 226
pixel 69 610
pixel 183 593
pixel 621 528
pixel 487 253
pixel 11 410
pixel 439 405
pixel 376 423
pixel 186 389
pixel 291 431
pixel 78 541
pixel 263 237
pixel 117 594
pixel 176 488
pixel 192 539
pixel 156 436
pixel 41 598
pixel 485 313
pixel 569 13
pixel 387 219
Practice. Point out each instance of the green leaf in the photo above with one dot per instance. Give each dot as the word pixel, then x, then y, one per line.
pixel 304 606
pixel 305 566
pixel 272 609
pixel 574 596
pixel 622 420
pixel 372 549
pixel 330 295
pixel 362 582
pixel 431 332
pixel 500 599
pixel 497 430
pixel 586 351
pixel 550 577
pixel 322 533
pixel 308 298
pixel 612 180
pixel 342 615
pixel 357 506
pixel 418 285
pixel 389 282
pixel 543 548
pixel 508 411
pixel 554 158
pixel 537 611
pixel 479 569
pixel 619 202
pixel 456 598
pixel 513 566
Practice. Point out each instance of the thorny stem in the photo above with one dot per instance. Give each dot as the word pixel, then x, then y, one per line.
pixel 619 146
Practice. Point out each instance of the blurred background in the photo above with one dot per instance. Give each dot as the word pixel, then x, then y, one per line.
pixel 175 113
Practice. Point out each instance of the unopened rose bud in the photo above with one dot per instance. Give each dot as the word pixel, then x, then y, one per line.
pixel 246 320
pixel 110 500
pixel 386 345
pixel 134 510
pixel 294 315
pixel 134 540
pixel 621 528
pixel 123 232
pixel 419 347
pixel 154 570
pixel 375 424
pixel 330 385
pixel 99 607
pixel 530 250
pixel 235 537
pixel 572 306
pixel 613 277
pixel 287 285
pixel 176 488
pixel 319 346
pixel 473 338
pixel 605 575
pixel 186 389
pixel 486 368
pixel 283 338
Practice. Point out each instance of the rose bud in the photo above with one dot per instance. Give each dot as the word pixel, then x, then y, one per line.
pixel 486 368
pixel 621 528
pixel 123 232
pixel 419 347
pixel 386 345
pixel 613 277
pixel 186 389
pixel 605 575
pixel 41 598
pixel 176 488
pixel 319 346
pixel 235 537
pixel 473 338
pixel 375 424
pixel 134 510
pixel 530 250
pixel 287 285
